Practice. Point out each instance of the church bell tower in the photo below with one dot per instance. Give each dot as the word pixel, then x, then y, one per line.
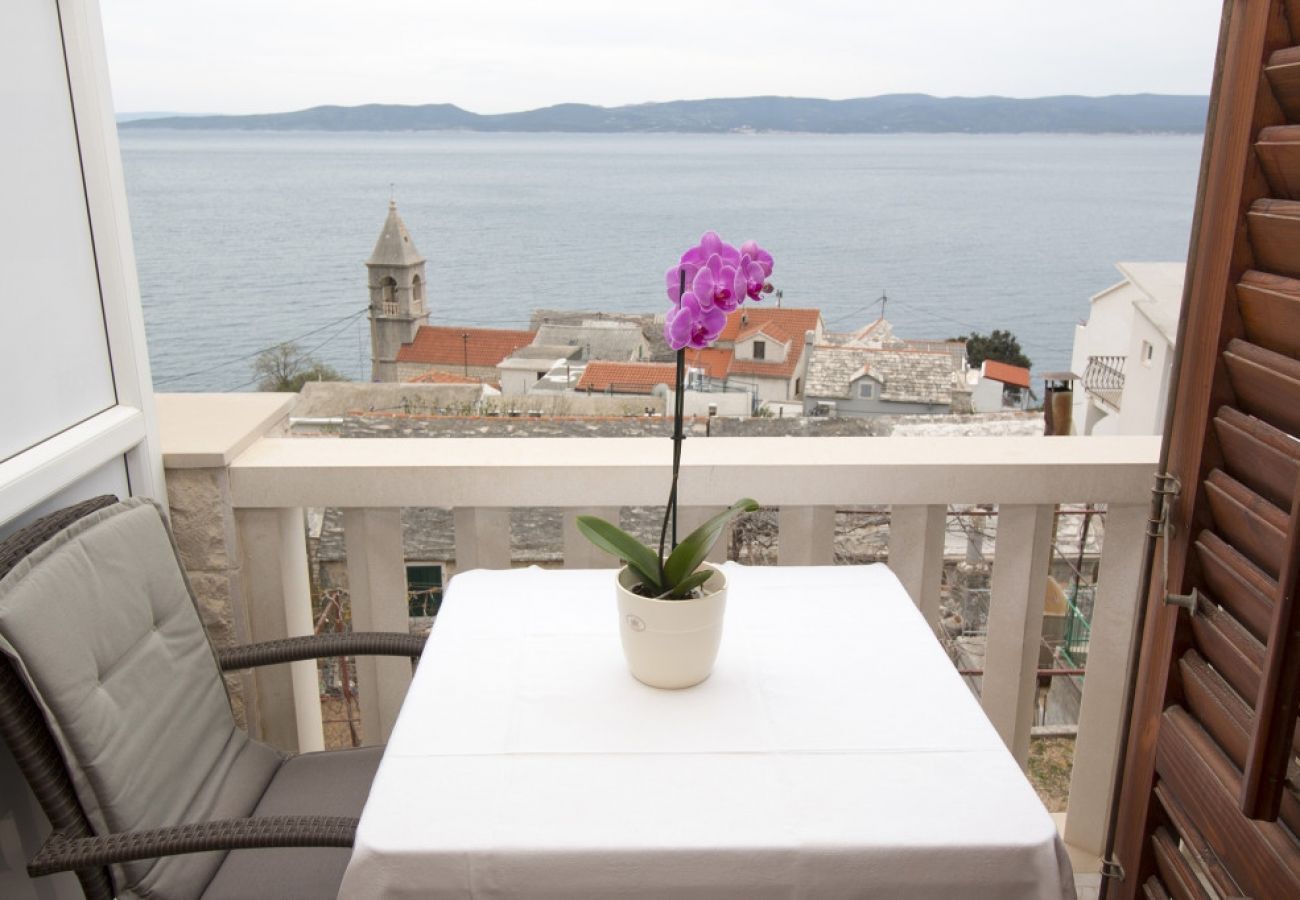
pixel 397 295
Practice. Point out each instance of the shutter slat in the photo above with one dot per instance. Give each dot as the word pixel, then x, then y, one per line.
pixel 1283 71
pixel 1278 151
pixel 1230 649
pixel 1175 873
pixel 1274 229
pixel 1272 743
pixel 1154 890
pixel 1208 861
pixel 1216 706
pixel 1237 583
pixel 1267 383
pixel 1247 521
pixel 1262 857
pixel 1270 311
pixel 1258 455
pixel 1227 719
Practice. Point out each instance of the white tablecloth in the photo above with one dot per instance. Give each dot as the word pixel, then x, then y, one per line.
pixel 834 752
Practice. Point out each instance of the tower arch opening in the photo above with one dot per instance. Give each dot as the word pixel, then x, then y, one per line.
pixel 388 295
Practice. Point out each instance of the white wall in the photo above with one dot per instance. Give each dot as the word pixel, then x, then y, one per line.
pixel 1106 333
pixel 986 395
pixel 727 403
pixel 774 351
pixel 1146 381
pixel 516 382
pixel 75 394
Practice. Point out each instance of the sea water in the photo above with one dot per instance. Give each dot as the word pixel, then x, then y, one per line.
pixel 247 239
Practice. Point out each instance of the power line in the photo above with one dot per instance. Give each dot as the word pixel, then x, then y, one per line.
pixel 230 362
pixel 934 315
pixel 305 353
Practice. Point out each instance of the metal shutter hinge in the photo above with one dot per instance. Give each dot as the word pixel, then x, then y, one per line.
pixel 1161 525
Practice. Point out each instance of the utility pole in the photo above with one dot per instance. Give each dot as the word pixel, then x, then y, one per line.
pixel 464 339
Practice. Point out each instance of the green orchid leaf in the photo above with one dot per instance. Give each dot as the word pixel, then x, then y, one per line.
pixel 691 552
pixel 690 583
pixel 649 579
pixel 617 542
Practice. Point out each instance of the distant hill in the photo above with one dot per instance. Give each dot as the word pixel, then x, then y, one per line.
pixel 132 116
pixel 1130 113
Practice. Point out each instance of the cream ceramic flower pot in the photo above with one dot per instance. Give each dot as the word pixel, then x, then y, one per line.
pixel 671 643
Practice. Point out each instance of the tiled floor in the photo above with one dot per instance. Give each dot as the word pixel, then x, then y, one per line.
pixel 1087 868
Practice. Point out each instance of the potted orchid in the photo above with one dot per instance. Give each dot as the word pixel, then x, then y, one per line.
pixel 671 601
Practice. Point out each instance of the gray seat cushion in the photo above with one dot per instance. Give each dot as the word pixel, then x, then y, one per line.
pixel 332 783
pixel 100 624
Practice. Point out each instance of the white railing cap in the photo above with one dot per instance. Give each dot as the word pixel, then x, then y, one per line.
pixel 495 472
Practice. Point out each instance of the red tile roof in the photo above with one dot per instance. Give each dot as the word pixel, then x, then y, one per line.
pixel 438 376
pixel 715 363
pixel 437 345
pixel 763 369
pixel 787 324
pixel 626 378
pixel 1017 376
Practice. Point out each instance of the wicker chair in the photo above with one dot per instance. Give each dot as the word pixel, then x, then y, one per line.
pixel 112 702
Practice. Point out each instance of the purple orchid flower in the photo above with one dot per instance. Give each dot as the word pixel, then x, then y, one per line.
pixel 719 284
pixel 710 245
pixel 759 255
pixel 753 277
pixel 690 324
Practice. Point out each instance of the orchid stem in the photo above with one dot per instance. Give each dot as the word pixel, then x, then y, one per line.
pixel 679 407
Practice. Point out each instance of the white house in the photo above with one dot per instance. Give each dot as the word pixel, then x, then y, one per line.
pixel 1123 354
pixel 996 386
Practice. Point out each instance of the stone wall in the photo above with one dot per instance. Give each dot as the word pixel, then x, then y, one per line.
pixel 204 526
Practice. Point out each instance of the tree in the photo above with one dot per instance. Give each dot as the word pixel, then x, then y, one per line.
pixel 286 368
pixel 1000 346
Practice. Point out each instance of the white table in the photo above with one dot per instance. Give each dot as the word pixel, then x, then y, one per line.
pixel 834 752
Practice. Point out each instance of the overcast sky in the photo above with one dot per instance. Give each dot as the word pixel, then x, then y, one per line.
pixel 238 56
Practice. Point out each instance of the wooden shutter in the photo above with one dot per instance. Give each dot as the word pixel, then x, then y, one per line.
pixel 1209 801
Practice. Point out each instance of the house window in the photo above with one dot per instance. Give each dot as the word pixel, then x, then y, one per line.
pixel 865 390
pixel 1148 351
pixel 423 590
pixel 760 350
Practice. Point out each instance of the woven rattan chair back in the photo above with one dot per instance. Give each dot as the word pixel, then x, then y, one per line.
pixel 22 724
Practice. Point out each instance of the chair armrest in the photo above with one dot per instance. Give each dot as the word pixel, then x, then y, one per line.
pixel 318 646
pixel 63 854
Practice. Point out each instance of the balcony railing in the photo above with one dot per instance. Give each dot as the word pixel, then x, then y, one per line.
pixel 1104 377
pixel 266 483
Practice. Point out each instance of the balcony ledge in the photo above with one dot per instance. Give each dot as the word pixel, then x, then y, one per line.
pixel 201 431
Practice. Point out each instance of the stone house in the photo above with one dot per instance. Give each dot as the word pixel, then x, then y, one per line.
pixel 555 358
pixel 882 381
